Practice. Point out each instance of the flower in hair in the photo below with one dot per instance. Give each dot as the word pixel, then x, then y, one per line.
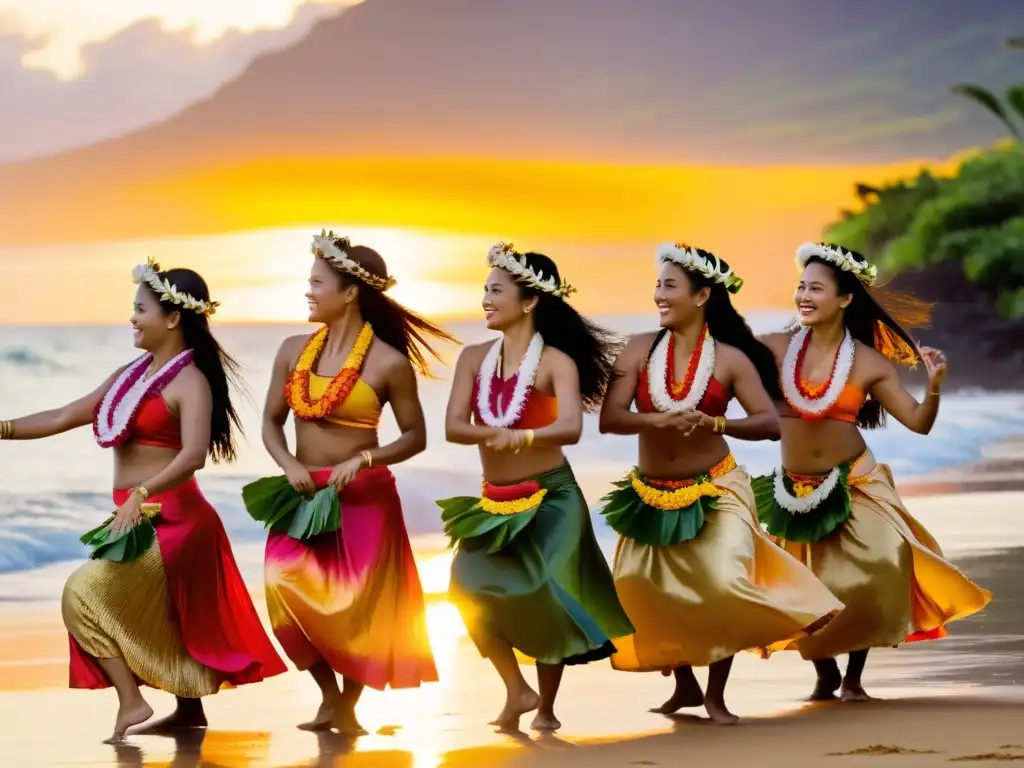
pixel 702 262
pixel 838 257
pixel 165 290
pixel 504 256
pixel 334 250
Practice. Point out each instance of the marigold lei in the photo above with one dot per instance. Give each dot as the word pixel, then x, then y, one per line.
pixel 297 387
pixel 115 415
pixel 866 272
pixel 165 290
pixel 658 372
pixel 684 495
pixel 694 260
pixel 511 506
pixel 331 248
pixel 504 256
pixel 796 395
pixel 526 374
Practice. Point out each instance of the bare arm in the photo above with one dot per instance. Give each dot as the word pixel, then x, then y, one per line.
pixel 71 416
pixel 458 428
pixel 194 404
pixel 404 397
pixel 762 420
pixel 275 409
pixel 568 427
pixel 617 417
pixel 889 391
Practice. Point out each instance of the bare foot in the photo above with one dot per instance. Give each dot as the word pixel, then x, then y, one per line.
pixel 853 692
pixel 515 707
pixel 344 721
pixel 719 714
pixel 826 687
pixel 133 714
pixel 546 722
pixel 178 720
pixel 323 719
pixel 685 696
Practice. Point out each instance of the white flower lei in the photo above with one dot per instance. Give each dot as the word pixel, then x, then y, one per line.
pixel 527 374
pixel 118 406
pixel 800 506
pixel 840 375
pixel 657 376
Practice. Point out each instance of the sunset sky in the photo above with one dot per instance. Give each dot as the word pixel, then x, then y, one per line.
pixel 221 134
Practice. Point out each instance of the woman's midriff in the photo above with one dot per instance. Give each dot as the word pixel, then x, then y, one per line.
pixel 135 464
pixel 505 467
pixel 665 453
pixel 323 444
pixel 815 447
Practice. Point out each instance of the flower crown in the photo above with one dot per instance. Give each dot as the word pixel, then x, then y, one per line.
pixel 165 290
pixel 505 257
pixel 332 248
pixel 703 263
pixel 839 257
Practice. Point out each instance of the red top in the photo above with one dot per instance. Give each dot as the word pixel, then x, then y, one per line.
pixel 157 425
pixel 540 411
pixel 714 403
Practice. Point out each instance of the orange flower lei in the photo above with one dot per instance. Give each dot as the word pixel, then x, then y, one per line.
pixel 296 391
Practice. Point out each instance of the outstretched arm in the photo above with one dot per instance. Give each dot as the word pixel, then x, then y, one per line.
pixel 458 428
pixel 71 416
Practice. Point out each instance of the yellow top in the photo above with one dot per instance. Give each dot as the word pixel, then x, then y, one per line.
pixel 361 409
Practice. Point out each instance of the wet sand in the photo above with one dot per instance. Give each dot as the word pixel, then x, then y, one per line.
pixel 954 696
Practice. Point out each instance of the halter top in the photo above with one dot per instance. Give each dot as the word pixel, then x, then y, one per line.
pixel 541 409
pixel 714 403
pixel 845 408
pixel 156 425
pixel 361 409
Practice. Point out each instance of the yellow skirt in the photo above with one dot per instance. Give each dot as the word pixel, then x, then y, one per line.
pixel 124 610
pixel 729 589
pixel 889 573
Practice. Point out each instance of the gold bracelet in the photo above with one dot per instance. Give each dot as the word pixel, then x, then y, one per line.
pixel 529 437
pixel 143 493
pixel 6 430
pixel 719 426
pixel 367 458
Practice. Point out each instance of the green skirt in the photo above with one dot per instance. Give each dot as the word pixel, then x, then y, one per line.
pixel 809 519
pixel 535 578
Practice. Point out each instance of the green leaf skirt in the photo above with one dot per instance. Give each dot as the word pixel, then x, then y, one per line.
pixel 273 502
pixel 803 526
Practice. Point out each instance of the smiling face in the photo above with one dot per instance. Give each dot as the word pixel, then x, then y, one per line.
pixel 328 297
pixel 674 295
pixel 503 303
pixel 152 326
pixel 818 300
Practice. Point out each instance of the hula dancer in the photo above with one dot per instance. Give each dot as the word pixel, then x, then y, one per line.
pixel 831 504
pixel 161 601
pixel 343 592
pixel 694 571
pixel 528 574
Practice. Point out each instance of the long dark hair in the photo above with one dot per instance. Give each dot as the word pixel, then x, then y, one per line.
pixel 220 369
pixel 877 319
pixel 590 346
pixel 392 323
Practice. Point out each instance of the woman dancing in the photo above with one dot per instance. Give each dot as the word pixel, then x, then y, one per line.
pixel 528 574
pixel 830 504
pixel 694 571
pixel 175 616
pixel 349 600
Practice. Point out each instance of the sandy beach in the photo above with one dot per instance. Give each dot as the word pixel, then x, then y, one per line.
pixel 949 700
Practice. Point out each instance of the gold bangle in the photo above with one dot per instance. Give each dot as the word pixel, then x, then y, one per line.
pixel 719 426
pixel 6 429
pixel 529 437
pixel 367 458
pixel 143 493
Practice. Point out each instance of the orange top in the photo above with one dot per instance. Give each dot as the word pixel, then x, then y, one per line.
pixel 714 403
pixel 844 409
pixel 361 409
pixel 156 425
pixel 541 409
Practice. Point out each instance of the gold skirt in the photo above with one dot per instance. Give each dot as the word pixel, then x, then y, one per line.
pixel 124 610
pixel 889 573
pixel 729 589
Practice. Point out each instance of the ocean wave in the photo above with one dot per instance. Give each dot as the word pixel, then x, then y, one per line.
pixel 27 359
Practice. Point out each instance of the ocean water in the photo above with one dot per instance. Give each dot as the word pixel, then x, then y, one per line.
pixel 53 490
